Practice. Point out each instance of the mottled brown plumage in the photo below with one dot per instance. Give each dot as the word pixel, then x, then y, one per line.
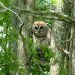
pixel 40 29
pixel 41 38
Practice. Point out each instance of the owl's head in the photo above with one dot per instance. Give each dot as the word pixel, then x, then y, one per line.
pixel 40 29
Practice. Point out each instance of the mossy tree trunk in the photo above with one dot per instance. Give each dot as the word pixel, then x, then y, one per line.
pixel 67 9
pixel 23 50
pixel 72 45
pixel 61 33
pixel 56 42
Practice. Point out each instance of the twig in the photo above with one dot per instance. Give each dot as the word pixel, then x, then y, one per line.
pixel 1 5
pixel 21 23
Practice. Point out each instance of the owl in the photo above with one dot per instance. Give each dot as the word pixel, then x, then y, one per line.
pixel 41 33
pixel 41 37
pixel 40 29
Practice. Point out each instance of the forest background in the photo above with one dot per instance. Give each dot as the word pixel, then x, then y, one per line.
pixel 18 56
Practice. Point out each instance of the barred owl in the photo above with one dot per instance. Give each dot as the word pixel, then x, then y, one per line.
pixel 41 37
pixel 41 33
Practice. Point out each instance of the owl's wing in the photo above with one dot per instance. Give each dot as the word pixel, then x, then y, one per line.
pixel 49 36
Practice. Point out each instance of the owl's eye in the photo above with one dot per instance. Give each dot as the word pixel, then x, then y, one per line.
pixel 36 27
pixel 41 27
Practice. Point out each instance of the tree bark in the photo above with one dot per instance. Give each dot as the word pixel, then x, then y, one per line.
pixel 68 8
pixel 72 45
pixel 55 43
pixel 23 50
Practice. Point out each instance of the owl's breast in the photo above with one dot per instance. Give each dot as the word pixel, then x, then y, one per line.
pixel 41 42
pixel 40 35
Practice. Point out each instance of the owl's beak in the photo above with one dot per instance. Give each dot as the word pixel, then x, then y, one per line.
pixel 38 31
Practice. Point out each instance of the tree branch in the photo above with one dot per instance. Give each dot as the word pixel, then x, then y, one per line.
pixel 44 14
pixel 4 9
pixel 48 15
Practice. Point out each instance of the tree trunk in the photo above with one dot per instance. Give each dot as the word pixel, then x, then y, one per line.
pixel 68 7
pixel 56 42
pixel 73 54
pixel 23 50
pixel 72 45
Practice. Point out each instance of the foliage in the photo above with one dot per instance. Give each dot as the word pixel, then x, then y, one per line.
pixel 8 40
pixel 41 5
pixel 39 57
